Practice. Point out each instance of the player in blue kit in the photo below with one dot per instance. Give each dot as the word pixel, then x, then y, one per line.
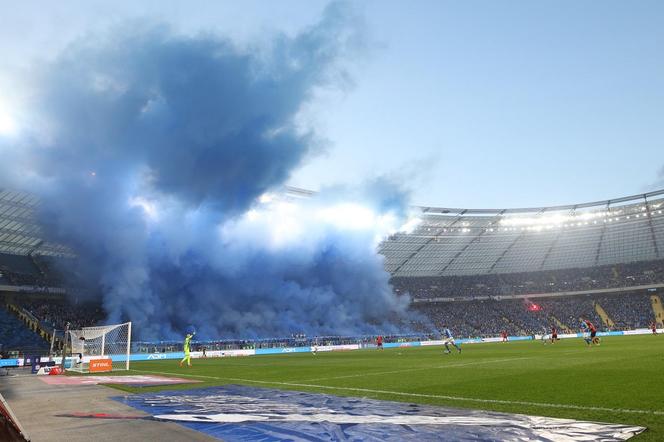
pixel 448 339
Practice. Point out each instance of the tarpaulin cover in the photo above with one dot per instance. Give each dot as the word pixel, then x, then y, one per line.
pixel 240 413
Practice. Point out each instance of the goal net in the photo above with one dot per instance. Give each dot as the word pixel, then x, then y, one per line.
pixel 105 342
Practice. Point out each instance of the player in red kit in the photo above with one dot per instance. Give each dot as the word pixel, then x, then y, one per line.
pixel 554 335
pixel 590 332
pixel 503 335
pixel 653 327
pixel 379 342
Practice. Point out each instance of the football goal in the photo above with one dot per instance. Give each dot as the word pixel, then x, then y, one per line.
pixel 103 348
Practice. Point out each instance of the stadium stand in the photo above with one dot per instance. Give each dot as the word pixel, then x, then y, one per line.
pixel 483 318
pixel 16 335
pixel 22 265
pixel 457 242
pixel 55 313
pixel 567 280
pixel 478 272
pixel 628 311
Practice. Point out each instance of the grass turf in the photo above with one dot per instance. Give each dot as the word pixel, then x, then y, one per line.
pixel 620 381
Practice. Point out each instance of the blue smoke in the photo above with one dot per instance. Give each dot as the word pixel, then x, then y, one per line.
pixel 149 149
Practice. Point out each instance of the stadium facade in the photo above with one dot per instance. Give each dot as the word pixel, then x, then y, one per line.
pixel 456 242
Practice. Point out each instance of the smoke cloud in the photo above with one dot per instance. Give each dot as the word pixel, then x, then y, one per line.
pixel 659 183
pixel 155 155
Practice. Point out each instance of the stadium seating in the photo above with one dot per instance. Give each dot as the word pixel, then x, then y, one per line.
pixel 55 313
pixel 629 310
pixel 40 271
pixel 567 280
pixel 464 267
pixel 461 242
pixel 528 317
pixel 14 335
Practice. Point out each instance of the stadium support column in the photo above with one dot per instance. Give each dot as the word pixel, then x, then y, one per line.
pixel 601 236
pixel 50 351
pixel 64 346
pixel 652 229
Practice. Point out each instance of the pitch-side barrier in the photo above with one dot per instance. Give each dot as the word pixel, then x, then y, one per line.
pixel 351 347
pixel 325 348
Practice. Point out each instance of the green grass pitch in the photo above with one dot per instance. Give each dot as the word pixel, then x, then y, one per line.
pixel 620 381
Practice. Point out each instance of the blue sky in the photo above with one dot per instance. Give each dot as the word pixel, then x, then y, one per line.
pixel 475 104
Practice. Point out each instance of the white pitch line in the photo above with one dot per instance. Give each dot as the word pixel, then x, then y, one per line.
pixel 406 370
pixel 419 395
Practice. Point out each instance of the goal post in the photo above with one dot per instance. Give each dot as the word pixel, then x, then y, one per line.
pixel 104 342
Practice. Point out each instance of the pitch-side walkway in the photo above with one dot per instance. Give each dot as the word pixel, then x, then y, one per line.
pixel 40 408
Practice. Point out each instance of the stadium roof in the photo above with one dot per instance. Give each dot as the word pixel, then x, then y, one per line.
pixel 19 233
pixel 453 242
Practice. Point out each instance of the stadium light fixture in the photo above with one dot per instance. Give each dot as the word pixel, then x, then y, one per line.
pixel 558 220
pixel 411 224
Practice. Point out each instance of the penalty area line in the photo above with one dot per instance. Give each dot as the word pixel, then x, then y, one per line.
pixel 417 395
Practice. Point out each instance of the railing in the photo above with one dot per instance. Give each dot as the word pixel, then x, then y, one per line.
pixel 33 289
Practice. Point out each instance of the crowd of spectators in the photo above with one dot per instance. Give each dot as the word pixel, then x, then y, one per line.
pixel 56 313
pixel 34 271
pixel 470 319
pixel 568 280
pixel 467 316
pixel 18 278
pixel 50 272
pixel 481 318
pixel 628 311
pixel 467 319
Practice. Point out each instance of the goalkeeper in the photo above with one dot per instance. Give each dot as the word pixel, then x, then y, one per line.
pixel 187 348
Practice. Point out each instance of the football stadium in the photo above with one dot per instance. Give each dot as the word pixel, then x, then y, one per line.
pixel 504 280
pixel 328 220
